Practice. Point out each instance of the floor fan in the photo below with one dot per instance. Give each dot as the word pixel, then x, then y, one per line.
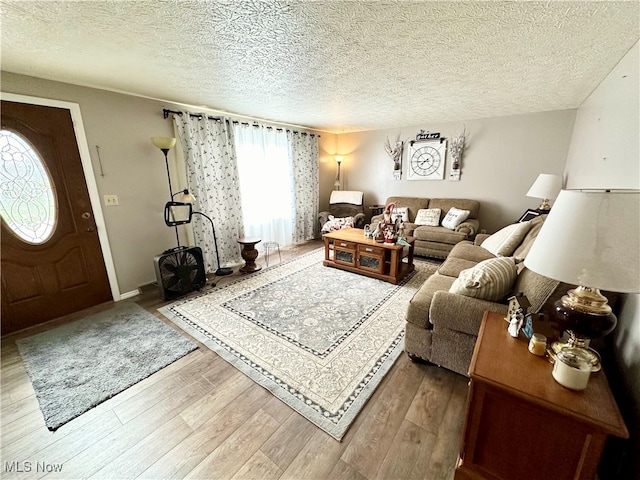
pixel 180 271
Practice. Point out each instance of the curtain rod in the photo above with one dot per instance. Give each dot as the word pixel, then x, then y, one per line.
pixel 257 125
pixel 166 112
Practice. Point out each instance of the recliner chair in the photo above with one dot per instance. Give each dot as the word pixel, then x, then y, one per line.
pixel 346 207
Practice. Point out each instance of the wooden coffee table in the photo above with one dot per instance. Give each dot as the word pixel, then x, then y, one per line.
pixel 348 249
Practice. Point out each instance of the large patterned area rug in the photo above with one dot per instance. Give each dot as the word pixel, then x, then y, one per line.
pixel 318 338
pixel 76 366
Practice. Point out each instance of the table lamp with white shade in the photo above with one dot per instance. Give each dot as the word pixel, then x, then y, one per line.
pixel 590 239
pixel 546 187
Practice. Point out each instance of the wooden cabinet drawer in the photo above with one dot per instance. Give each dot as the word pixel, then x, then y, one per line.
pixel 369 250
pixel 344 245
pixel 344 252
pixel 371 258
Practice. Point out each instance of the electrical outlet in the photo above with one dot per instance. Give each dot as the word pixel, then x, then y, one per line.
pixel 111 200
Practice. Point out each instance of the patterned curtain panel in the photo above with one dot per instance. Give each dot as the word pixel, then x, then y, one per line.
pixel 212 175
pixel 303 155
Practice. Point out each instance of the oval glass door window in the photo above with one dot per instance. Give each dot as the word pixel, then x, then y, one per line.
pixel 27 200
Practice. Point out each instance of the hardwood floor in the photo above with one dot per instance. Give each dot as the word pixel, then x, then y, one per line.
pixel 201 418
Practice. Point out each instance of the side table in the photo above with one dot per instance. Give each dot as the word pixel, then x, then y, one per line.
pixel 376 209
pixel 249 254
pixel 521 423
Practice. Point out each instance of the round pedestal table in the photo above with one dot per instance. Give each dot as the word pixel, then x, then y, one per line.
pixel 249 254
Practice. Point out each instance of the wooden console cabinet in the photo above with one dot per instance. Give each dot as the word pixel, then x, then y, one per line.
pixel 348 249
pixel 522 424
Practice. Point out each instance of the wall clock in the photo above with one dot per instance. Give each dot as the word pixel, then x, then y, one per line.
pixel 426 160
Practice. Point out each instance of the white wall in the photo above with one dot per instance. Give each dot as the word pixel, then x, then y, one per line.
pixel 604 149
pixel 503 156
pixel 604 154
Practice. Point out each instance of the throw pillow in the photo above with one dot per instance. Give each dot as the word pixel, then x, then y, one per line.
pixel 428 216
pixel 402 212
pixel 504 242
pixel 490 280
pixel 454 217
pixel 334 224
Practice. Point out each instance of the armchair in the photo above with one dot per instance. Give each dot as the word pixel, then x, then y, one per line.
pixel 346 209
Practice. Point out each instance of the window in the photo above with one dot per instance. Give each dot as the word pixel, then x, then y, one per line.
pixel 264 173
pixel 27 197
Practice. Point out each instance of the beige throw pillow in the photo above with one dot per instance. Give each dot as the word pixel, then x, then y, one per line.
pixel 489 280
pixel 455 217
pixel 429 217
pixel 504 242
pixel 402 212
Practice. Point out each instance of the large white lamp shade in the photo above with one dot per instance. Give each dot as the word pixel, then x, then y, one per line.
pixel 591 239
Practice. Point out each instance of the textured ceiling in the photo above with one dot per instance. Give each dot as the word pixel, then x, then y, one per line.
pixel 330 65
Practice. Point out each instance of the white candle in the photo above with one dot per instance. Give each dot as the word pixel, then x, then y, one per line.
pixel 572 369
pixel 538 344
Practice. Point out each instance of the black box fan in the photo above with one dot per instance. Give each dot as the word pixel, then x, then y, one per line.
pixel 179 271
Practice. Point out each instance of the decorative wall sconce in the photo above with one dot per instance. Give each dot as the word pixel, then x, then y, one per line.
pixel 336 184
pixel 395 152
pixel 456 147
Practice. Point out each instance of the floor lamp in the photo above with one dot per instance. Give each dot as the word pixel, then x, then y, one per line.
pixel 165 144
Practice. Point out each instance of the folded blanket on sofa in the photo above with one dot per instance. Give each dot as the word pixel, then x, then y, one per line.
pixel 346 196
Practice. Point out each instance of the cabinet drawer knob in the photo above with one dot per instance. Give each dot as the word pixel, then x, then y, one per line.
pixel 368 249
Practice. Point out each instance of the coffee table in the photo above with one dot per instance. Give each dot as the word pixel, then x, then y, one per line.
pixel 348 249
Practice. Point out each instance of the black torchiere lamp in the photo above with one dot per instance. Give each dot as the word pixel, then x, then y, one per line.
pixel 165 144
pixel 187 198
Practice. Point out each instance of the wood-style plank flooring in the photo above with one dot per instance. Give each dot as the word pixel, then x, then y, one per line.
pixel 201 418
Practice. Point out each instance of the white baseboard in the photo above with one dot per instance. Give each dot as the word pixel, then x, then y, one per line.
pixel 130 294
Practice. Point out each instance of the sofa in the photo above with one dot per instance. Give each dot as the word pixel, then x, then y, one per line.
pixel 442 326
pixel 435 241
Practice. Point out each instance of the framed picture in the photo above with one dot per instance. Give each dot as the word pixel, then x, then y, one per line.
pixel 529 215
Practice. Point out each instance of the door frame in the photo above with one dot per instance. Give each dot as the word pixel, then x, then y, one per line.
pixel 90 179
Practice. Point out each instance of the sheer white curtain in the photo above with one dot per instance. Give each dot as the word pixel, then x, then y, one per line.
pixel 266 187
pixel 212 177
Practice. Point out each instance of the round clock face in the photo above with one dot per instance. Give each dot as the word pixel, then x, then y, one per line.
pixel 425 161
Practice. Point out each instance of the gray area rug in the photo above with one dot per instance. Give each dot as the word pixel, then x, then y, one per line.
pixel 318 338
pixel 77 366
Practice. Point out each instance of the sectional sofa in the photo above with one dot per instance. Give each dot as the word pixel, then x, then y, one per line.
pixel 443 319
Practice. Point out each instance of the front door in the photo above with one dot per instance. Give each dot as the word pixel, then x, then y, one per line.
pixel 52 263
